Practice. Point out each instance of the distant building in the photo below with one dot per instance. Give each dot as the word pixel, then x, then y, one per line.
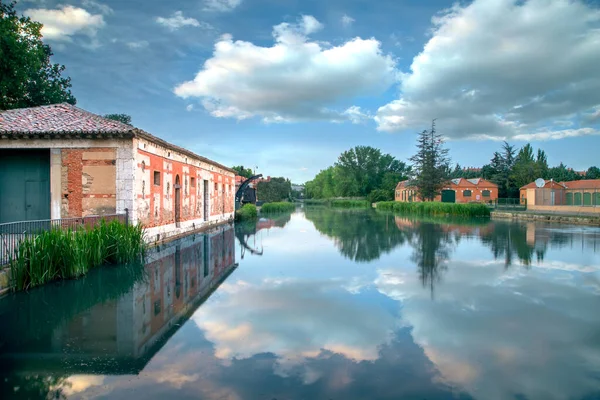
pixel 459 190
pixel 568 196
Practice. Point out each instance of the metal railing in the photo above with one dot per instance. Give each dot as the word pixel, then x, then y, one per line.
pixel 13 233
pixel 510 204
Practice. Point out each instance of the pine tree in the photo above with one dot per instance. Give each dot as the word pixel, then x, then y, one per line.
pixel 431 164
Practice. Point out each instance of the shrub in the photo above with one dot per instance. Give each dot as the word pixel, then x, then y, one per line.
pixel 350 203
pixel 378 195
pixel 436 208
pixel 247 212
pixel 66 254
pixel 268 208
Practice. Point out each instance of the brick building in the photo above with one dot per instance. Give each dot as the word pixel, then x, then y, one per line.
pixel 60 161
pixel 459 190
pixel 571 196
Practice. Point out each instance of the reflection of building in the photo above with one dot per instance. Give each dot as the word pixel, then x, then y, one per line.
pixel 579 196
pixel 60 161
pixel 458 190
pixel 129 330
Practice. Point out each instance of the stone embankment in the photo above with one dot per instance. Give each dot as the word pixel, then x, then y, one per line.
pixel 593 220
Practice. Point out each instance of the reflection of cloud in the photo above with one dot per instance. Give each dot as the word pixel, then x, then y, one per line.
pixel 500 333
pixel 294 320
pixel 79 383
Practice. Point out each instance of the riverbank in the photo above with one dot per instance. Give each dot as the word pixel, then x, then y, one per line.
pixel 561 218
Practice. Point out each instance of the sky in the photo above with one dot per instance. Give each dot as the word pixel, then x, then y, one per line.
pixel 285 86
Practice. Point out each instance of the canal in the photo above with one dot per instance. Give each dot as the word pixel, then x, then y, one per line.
pixel 322 304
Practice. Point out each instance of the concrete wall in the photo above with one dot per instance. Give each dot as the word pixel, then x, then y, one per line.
pixel 565 209
pixel 154 200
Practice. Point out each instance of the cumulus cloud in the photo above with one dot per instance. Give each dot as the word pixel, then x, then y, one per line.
pixel 62 23
pixel 221 5
pixel 102 8
pixel 138 45
pixel 177 21
pixel 347 20
pixel 189 107
pixel 503 69
pixel 295 79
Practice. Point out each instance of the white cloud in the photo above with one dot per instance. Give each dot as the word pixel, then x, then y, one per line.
pixel 221 5
pixel 503 69
pixel 62 23
pixel 102 8
pixel 356 115
pixel 138 45
pixel 295 79
pixel 177 21
pixel 189 107
pixel 347 20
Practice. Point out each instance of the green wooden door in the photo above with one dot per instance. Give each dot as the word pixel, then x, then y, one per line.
pixel 448 196
pixel 597 199
pixel 577 199
pixel 24 185
pixel 587 199
pixel 569 198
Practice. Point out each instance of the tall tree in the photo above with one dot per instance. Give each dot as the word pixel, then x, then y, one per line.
pixel 277 189
pixel 525 169
pixel 502 165
pixel 27 77
pixel 593 173
pixel 561 173
pixel 123 118
pixel 431 164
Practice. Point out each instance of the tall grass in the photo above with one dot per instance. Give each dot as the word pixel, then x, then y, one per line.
pixel 247 212
pixel 349 203
pixel 269 208
pixel 66 254
pixel 436 208
pixel 316 202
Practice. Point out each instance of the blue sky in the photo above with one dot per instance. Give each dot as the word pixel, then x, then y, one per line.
pixel 287 85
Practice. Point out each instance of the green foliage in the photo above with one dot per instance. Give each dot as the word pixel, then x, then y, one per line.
pixel 316 202
pixel 378 195
pixel 527 168
pixel 268 208
pixel 66 254
pixel 436 208
pixel 27 78
pixel 341 203
pixel 241 171
pixel 431 164
pixel 501 170
pixel 593 173
pixel 247 212
pixel 563 174
pixel 277 189
pixel 123 118
pixel 357 173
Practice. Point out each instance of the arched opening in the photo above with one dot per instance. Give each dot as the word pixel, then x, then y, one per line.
pixel 177 200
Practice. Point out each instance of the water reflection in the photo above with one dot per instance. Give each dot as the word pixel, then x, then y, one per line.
pixel 246 232
pixel 113 321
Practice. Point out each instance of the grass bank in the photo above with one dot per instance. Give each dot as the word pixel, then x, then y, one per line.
pixel 436 208
pixel 349 203
pixel 65 254
pixel 246 213
pixel 269 208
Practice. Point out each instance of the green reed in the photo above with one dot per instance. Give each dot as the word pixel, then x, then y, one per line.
pixel 277 207
pixel 246 212
pixel 436 208
pixel 67 254
pixel 349 203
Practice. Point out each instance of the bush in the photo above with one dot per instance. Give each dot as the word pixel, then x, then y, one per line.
pixel 378 195
pixel 268 208
pixel 350 203
pixel 436 208
pixel 247 212
pixel 66 254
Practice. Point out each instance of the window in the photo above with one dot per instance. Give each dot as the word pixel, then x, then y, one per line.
pixel 193 182
pixel 485 193
pixel 467 193
pixel 216 187
pixel 156 178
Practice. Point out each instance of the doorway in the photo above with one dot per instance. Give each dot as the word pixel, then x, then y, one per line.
pixel 448 196
pixel 177 201
pixel 205 200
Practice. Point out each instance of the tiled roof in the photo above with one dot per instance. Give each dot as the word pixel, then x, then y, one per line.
pixel 58 118
pixel 474 181
pixel 402 185
pixel 547 184
pixel 583 184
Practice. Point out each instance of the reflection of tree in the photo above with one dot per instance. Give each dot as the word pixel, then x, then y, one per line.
pixel 507 240
pixel 432 244
pixel 359 235
pixel 33 387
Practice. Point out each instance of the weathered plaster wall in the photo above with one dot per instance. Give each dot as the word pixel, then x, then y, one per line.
pixel 157 171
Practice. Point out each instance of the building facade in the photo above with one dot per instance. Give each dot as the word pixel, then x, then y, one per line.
pixel 457 190
pixel 60 161
pixel 572 196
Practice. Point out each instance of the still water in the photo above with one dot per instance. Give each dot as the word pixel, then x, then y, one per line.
pixel 322 304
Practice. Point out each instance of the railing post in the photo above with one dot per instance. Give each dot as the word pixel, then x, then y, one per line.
pixel 126 216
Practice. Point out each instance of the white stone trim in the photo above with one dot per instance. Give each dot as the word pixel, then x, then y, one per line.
pixel 165 232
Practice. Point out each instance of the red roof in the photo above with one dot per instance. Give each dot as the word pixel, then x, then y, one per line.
pixel 583 184
pixel 58 118
pixel 549 184
pixel 458 183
